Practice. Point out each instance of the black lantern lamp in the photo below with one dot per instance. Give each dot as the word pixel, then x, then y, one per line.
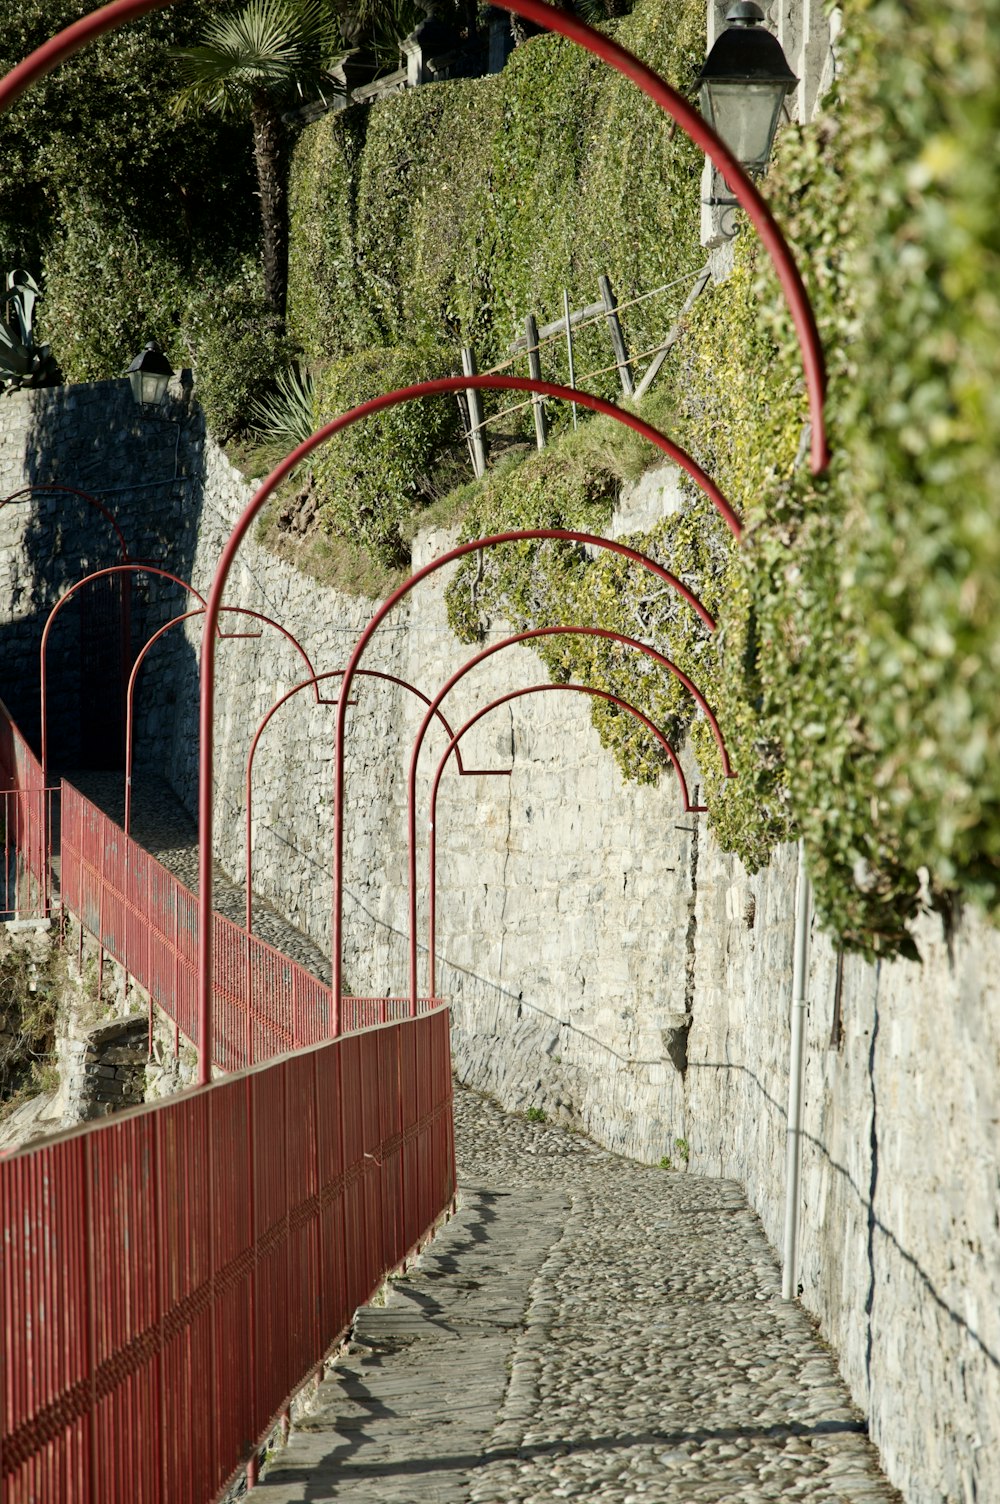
pixel 149 375
pixel 743 85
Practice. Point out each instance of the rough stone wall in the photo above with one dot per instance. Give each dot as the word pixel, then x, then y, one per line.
pixel 900 1253
pixel 592 944
pixel 144 470
pixel 607 966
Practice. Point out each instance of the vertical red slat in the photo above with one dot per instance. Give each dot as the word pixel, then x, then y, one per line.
pixel 251 1217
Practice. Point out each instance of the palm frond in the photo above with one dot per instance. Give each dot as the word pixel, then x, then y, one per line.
pixel 267 45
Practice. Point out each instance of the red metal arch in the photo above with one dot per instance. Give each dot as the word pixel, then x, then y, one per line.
pixel 84 496
pixel 230 636
pixel 98 574
pixel 243 524
pixel 336 673
pixel 571 630
pixel 563 630
pixel 517 694
pixel 476 544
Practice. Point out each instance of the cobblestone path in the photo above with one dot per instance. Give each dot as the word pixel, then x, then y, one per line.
pixel 162 825
pixel 585 1327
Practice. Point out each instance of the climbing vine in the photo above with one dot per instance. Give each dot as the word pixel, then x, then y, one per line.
pixel 450 212
pixel 855 666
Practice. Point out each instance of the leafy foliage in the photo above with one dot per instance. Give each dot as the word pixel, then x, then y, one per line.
pixel 451 212
pixel 286 417
pixel 132 221
pixel 238 347
pixel 269 45
pixel 372 475
pixel 71 134
pixel 855 669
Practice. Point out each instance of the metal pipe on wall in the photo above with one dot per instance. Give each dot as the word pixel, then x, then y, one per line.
pixel 796 1073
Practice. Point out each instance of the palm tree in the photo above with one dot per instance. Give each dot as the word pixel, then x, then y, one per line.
pixel 246 66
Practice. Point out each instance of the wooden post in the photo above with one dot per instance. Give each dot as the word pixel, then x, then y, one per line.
pixel 474 399
pixel 535 372
pixel 569 348
pixel 653 369
pixel 617 338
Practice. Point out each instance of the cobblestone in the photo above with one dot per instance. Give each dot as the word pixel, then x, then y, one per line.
pixel 585 1327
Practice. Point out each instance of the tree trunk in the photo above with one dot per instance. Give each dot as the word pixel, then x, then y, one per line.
pixel 269 157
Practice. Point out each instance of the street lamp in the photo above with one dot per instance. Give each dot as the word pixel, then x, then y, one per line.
pixel 743 84
pixel 149 375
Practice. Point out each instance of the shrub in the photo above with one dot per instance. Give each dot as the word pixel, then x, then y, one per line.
pixel 371 476
pixel 106 291
pixel 238 348
pixel 451 212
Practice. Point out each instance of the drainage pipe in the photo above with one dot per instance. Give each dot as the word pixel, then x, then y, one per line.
pixel 796 1072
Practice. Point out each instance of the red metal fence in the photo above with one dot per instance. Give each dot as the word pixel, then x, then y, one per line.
pixel 173 1274
pixel 26 811
pixel 265 1003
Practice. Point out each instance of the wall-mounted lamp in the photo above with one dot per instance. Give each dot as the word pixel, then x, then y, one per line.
pixel 150 375
pixel 743 85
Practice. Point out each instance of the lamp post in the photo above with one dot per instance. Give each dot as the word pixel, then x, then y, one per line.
pixel 743 84
pixel 149 375
pixel 741 88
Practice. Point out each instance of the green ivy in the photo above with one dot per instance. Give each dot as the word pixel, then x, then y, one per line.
pixel 528 584
pixel 856 664
pixel 452 211
pixel 372 476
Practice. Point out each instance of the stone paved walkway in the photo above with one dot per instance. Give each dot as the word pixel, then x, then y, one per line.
pixel 588 1328
pixel 163 826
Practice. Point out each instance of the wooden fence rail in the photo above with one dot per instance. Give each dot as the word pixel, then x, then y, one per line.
pixel 529 346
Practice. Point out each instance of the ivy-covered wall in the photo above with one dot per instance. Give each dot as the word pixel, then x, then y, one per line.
pixel 449 213
pixel 855 668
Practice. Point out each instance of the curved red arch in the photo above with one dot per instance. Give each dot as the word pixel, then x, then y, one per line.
pixel 85 496
pixel 115 569
pixel 533 633
pixel 517 694
pixel 569 629
pixel 315 681
pixel 140 659
pixel 243 524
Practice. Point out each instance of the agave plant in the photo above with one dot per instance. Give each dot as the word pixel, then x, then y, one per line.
pixel 286 418
pixel 22 362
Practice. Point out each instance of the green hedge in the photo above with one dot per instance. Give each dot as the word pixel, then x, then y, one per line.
pixel 138 225
pixel 372 476
pixel 856 666
pixel 451 212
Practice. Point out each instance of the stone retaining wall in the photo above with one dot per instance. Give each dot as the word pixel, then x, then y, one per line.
pixel 143 470
pixel 607 963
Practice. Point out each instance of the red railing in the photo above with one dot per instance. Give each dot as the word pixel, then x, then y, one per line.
pixel 26 811
pixel 265 1003
pixel 172 1275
